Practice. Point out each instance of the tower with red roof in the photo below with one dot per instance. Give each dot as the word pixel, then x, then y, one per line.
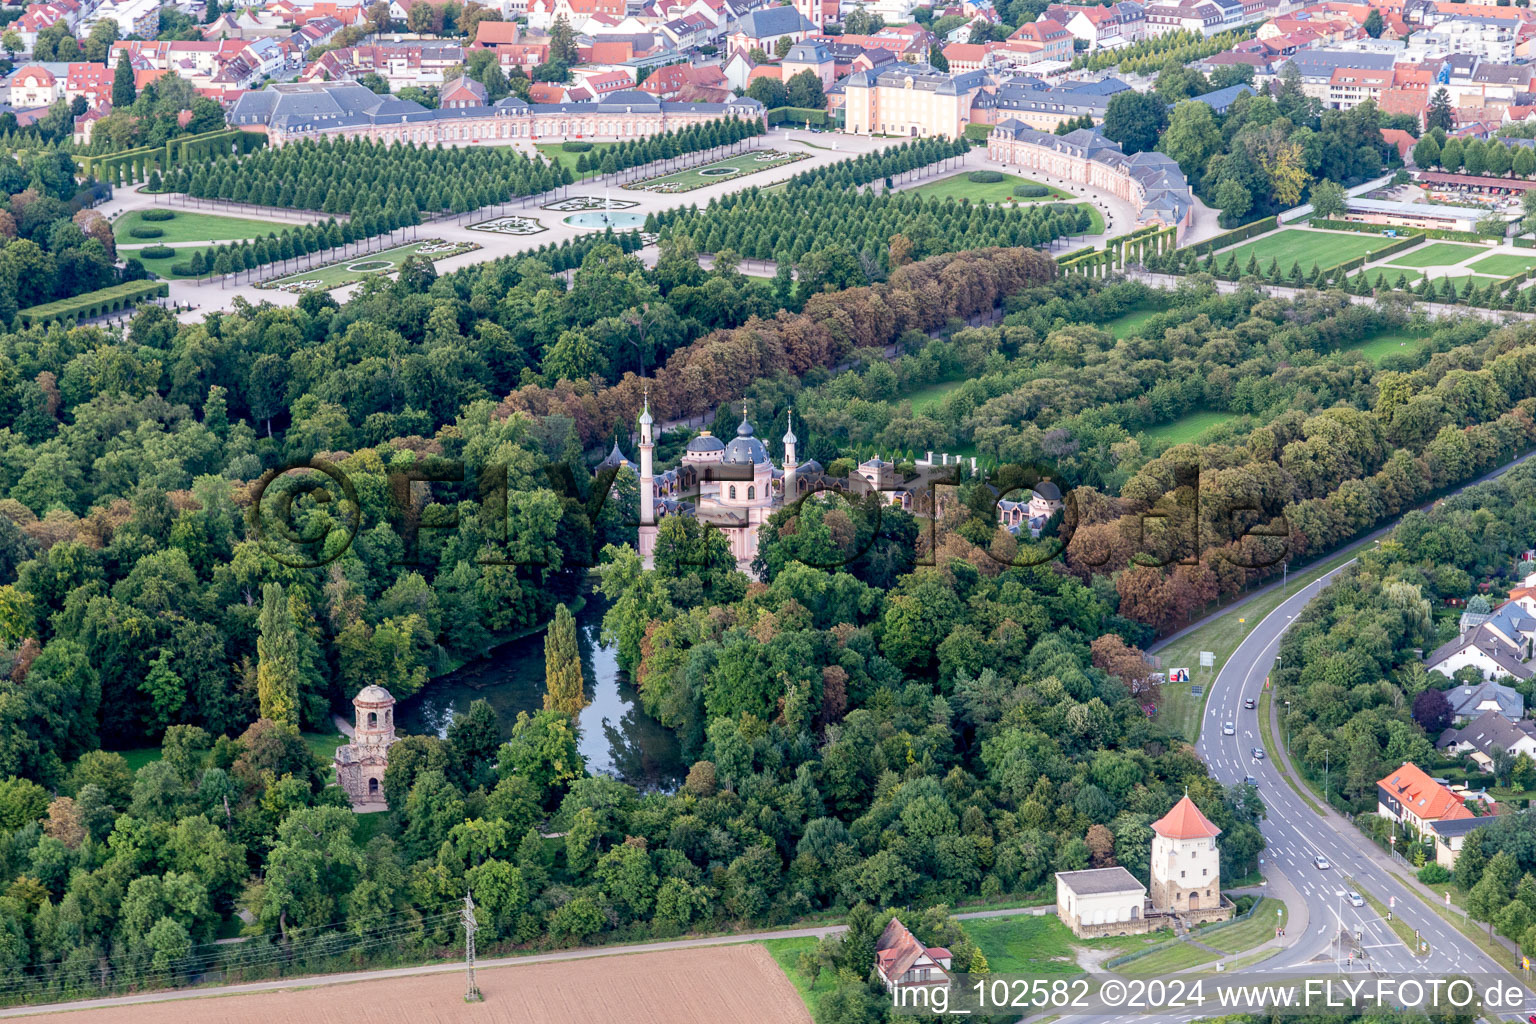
pixel 1186 865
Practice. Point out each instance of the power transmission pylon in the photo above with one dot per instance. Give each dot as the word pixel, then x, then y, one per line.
pixel 471 990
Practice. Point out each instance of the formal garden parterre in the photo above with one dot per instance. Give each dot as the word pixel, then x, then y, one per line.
pixel 730 168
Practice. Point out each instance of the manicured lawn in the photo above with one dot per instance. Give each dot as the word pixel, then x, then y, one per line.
pixel 930 395
pixel 1220 635
pixel 786 953
pixel 749 162
pixel 553 152
pixel 1299 245
pixel 188 226
pixel 387 262
pixel 1435 254
pixel 1477 280
pixel 1127 324
pixel 1378 346
pixel 1186 428
pixel 1387 277
pixel 1097 227
pixel 1504 265
pixel 1166 961
pixel 1255 931
pixel 959 186
pixel 1043 945
pixel 162 268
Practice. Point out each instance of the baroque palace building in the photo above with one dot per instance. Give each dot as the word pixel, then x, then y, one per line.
pixel 300 110
pixel 1151 182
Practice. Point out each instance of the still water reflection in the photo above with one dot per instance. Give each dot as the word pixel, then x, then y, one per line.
pixel 617 737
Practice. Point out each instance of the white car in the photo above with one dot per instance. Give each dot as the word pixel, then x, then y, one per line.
pixel 1229 729
pixel 1321 862
pixel 1354 898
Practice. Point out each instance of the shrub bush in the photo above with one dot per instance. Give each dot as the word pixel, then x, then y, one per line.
pixel 575 146
pixel 157 214
pixel 141 231
pixel 157 252
pixel 182 269
pixel 1030 191
pixel 1433 874
pixel 985 177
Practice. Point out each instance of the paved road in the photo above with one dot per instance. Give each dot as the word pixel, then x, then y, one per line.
pixel 1322 921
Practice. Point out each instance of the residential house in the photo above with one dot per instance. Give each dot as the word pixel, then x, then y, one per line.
pixel 1410 797
pixel 902 961
pixel 690 82
pixel 542 14
pixel 1468 702
pixel 1041 40
pixel 491 34
pixel 1500 647
pixel 461 92
pixel 1489 733
pixel 603 81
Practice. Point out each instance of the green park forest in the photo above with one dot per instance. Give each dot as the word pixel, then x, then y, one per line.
pixel 887 710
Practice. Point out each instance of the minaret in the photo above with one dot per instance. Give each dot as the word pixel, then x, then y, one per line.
pixel 647 486
pixel 790 462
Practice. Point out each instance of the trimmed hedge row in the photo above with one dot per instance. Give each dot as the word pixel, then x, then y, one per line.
pixel 1234 236
pixel 1031 191
pixel 985 177
pixel 157 214
pixel 1355 226
pixel 797 115
pixel 1442 234
pixel 156 252
pixel 575 146
pixel 94 304
pixel 141 231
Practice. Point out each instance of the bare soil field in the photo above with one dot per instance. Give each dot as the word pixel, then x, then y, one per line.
pixel 717 985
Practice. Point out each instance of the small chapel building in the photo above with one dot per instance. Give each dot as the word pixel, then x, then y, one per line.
pixel 360 764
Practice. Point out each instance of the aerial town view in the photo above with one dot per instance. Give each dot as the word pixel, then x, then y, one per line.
pixel 767 511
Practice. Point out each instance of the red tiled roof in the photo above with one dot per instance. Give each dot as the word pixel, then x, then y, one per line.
pixel 1185 822
pixel 1421 795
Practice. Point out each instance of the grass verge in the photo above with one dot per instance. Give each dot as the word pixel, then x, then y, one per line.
pixel 1221 635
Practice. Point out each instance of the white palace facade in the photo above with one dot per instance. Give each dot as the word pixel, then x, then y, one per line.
pixel 301 110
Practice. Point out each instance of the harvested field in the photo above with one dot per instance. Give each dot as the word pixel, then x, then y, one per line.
pixel 715 985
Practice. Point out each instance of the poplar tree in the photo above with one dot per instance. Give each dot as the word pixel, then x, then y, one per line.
pixel 564 686
pixel 277 659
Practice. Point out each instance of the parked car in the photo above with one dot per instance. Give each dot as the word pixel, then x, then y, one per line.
pixel 1321 862
pixel 1229 729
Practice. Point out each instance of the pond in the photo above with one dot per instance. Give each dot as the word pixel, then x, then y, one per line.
pixel 616 736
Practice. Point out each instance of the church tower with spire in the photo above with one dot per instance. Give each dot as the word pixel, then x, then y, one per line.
pixel 647 486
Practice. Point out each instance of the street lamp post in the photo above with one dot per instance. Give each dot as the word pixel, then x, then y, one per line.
pixel 1325 775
